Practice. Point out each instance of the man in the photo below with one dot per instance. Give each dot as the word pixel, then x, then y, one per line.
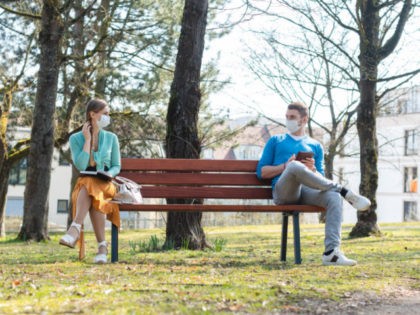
pixel 304 182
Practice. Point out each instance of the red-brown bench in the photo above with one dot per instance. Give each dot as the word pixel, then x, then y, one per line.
pixel 207 179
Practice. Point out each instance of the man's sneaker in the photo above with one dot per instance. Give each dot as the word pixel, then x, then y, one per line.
pixel 357 201
pixel 337 258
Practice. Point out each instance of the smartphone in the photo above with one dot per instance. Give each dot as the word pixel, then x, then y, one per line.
pixel 304 155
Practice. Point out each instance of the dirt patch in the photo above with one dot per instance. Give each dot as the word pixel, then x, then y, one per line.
pixel 400 301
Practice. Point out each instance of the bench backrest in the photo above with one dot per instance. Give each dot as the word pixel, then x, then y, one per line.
pixel 185 178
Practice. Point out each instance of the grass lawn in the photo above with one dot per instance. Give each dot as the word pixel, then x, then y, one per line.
pixel 246 276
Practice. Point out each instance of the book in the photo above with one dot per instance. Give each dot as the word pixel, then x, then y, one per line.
pixel 304 155
pixel 100 174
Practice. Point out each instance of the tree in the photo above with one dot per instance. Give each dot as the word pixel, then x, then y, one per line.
pixel 182 139
pixel 34 226
pixel 8 156
pixel 12 81
pixel 374 48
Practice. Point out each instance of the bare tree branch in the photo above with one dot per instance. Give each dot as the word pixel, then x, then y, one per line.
pixel 390 45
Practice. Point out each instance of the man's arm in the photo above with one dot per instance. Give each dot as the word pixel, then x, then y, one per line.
pixel 271 171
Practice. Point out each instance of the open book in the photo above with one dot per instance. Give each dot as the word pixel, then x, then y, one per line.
pixel 100 174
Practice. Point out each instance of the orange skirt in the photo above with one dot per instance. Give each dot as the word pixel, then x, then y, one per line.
pixel 102 193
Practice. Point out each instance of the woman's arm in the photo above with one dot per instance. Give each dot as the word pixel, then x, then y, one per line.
pixel 115 157
pixel 79 152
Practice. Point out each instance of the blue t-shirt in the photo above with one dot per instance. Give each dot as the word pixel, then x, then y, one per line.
pixel 280 148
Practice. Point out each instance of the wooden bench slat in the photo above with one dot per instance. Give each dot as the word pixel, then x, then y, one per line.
pixel 195 179
pixel 205 192
pixel 188 165
pixel 220 208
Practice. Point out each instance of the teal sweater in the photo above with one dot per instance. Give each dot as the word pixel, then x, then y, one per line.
pixel 280 148
pixel 108 153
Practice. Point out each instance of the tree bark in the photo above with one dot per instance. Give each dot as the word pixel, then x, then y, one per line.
pixel 4 186
pixel 103 21
pixel 35 216
pixel 366 116
pixel 4 175
pixel 5 164
pixel 182 141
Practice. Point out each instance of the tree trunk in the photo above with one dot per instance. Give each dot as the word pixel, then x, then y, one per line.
pixel 4 186
pixel 35 216
pixel 184 229
pixel 103 21
pixel 4 174
pixel 366 117
pixel 5 107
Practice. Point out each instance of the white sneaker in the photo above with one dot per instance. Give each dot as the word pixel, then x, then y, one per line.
pixel 337 258
pixel 357 201
pixel 101 258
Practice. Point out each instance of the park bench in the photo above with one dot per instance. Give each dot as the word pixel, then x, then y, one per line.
pixel 207 179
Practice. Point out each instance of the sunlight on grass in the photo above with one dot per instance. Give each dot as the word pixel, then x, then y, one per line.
pixel 244 275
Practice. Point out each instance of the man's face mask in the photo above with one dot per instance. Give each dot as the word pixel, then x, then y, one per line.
pixel 292 125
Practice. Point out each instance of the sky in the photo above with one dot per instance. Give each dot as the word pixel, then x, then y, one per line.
pixel 246 95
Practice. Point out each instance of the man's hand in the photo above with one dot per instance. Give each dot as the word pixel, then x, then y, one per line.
pixel 270 171
pixel 309 163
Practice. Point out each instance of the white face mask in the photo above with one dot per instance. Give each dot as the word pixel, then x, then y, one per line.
pixel 292 125
pixel 104 121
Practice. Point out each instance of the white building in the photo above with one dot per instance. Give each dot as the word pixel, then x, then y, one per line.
pixel 398 132
pixel 59 189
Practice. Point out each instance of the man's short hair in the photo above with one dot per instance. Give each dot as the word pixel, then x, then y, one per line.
pixel 300 107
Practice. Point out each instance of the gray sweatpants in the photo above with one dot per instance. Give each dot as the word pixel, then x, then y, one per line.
pixel 298 184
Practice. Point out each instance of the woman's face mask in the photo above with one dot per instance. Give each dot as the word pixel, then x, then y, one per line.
pixel 104 121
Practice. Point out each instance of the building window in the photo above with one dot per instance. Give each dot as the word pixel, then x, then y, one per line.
pixel 247 152
pixel 207 153
pixel 411 142
pixel 17 175
pixel 410 179
pixel 62 161
pixel 62 206
pixel 410 211
pixel 402 106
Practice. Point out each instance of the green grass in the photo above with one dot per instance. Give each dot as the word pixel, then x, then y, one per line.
pixel 243 275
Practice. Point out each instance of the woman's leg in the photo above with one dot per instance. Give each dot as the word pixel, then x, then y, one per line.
pixel 98 223
pixel 83 205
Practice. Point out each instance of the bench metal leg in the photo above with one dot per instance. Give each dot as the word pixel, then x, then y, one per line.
pixel 296 234
pixel 114 244
pixel 283 248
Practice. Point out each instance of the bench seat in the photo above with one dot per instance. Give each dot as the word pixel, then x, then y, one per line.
pixel 207 179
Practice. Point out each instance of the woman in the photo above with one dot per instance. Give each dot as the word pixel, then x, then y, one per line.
pixel 94 149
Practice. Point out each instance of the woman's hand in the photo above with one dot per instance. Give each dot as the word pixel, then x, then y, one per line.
pixel 87 131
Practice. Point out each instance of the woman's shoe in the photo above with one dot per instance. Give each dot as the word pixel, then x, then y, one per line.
pixel 68 240
pixel 101 258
